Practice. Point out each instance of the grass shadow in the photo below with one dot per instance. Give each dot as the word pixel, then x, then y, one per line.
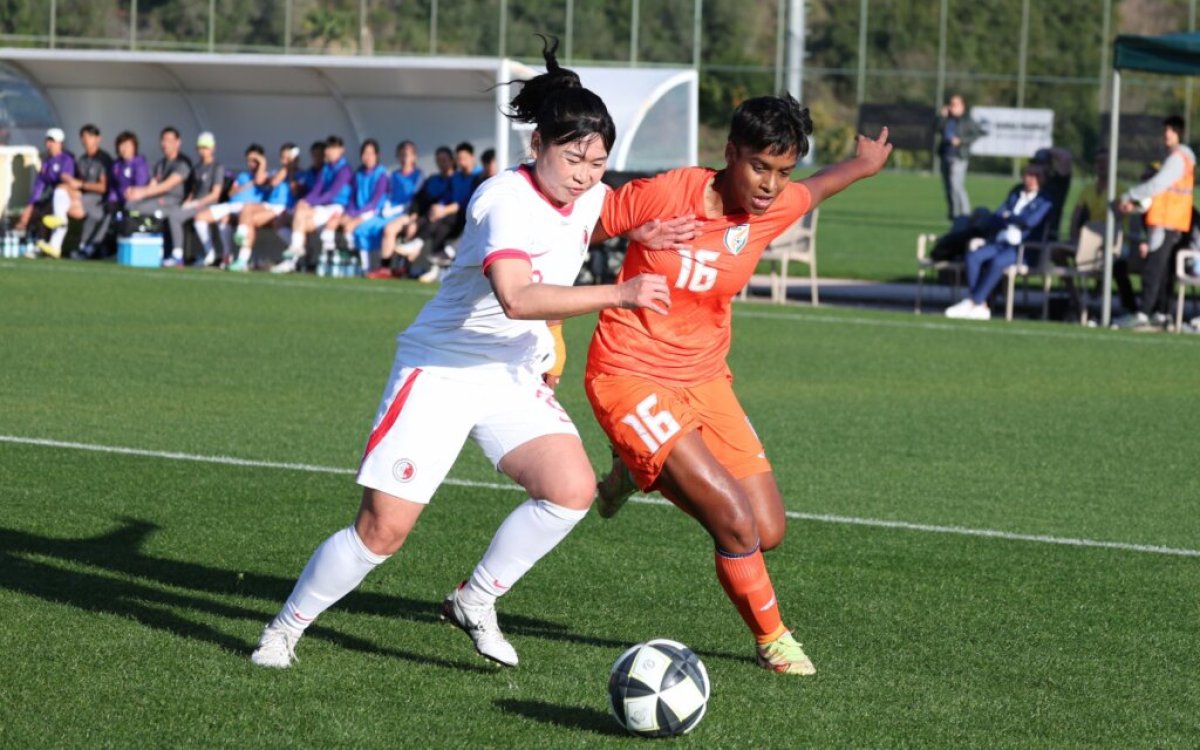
pixel 160 593
pixel 575 718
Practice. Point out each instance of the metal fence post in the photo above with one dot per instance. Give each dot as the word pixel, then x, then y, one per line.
pixel 502 46
pixel 634 12
pixel 53 22
pixel 433 30
pixel 570 31
pixel 212 25
pixel 132 24
pixel 697 31
pixel 860 90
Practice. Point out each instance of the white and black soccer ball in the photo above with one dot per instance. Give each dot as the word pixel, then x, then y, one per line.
pixel 658 688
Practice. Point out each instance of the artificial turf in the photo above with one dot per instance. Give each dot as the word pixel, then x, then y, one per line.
pixel 133 587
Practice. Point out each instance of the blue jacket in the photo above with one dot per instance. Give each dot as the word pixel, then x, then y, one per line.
pixel 1030 221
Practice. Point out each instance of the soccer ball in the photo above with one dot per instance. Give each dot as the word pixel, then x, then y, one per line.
pixel 658 689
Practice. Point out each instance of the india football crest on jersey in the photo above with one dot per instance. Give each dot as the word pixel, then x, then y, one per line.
pixel 736 237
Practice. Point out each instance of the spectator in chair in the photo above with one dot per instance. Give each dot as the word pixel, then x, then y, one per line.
pixel 50 199
pixel 88 187
pixel 248 189
pixel 208 182
pixel 1168 218
pixel 279 198
pixel 440 222
pixel 403 185
pixel 1019 218
pixel 370 190
pixel 955 131
pixel 435 190
pixel 1091 207
pixel 325 202
pixel 170 183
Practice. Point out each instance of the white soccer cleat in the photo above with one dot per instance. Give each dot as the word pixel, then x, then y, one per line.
pixel 276 647
pixel 480 623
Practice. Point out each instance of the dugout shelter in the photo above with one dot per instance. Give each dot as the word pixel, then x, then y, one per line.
pixel 269 99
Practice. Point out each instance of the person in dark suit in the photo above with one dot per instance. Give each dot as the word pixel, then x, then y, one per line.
pixel 1019 218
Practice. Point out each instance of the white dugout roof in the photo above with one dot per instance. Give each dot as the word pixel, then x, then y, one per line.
pixel 270 99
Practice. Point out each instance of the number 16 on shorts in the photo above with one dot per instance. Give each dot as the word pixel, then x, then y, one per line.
pixel 654 428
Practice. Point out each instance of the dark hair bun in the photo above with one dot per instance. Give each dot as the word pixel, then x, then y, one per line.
pixel 559 105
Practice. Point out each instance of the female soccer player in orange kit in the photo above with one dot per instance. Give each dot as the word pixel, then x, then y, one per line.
pixel 660 386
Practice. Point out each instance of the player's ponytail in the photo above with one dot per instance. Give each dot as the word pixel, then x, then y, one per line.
pixel 776 124
pixel 558 104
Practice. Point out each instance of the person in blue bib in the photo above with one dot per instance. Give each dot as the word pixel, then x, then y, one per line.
pixel 370 191
pixel 328 200
pixel 403 185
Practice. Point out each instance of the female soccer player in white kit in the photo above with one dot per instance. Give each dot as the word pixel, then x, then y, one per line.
pixel 471 365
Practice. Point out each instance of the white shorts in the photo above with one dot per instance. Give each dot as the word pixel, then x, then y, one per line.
pixel 426 416
pixel 275 208
pixel 322 215
pixel 221 210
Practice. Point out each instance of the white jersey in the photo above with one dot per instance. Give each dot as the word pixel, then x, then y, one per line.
pixel 464 326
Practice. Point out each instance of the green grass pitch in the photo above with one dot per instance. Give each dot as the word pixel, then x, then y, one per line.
pixel 133 586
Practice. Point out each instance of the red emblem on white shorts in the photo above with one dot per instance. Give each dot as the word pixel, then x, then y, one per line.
pixel 404 470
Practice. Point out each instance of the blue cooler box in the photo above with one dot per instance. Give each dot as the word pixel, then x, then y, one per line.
pixel 140 250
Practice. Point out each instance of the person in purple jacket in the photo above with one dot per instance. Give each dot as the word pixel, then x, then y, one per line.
pixel 50 200
pixel 328 200
pixel 369 191
pixel 130 170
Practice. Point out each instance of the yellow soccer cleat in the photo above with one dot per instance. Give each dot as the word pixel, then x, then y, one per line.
pixel 49 249
pixel 785 655
pixel 50 221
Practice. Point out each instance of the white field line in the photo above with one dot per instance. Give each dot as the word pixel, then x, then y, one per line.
pixel 509 486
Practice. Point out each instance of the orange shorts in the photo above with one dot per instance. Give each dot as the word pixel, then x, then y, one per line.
pixel 644 419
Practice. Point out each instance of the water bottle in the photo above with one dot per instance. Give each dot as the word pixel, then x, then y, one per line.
pixel 325 265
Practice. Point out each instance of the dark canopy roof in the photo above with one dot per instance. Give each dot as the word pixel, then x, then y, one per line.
pixel 1174 54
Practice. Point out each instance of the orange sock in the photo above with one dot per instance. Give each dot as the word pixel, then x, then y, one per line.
pixel 746 583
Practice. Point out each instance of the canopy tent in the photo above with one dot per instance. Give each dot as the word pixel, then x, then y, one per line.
pixel 1169 54
pixel 274 98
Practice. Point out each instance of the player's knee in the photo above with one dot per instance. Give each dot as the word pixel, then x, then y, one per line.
pixel 575 491
pixel 771 534
pixel 737 532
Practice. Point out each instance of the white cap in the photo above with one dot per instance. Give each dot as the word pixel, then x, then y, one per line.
pixel 55 134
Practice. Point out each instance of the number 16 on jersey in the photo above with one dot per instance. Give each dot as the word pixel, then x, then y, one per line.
pixel 653 428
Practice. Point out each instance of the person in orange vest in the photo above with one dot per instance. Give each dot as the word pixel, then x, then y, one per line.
pixel 1168 218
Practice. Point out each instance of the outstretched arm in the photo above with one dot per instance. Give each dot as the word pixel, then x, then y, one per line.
pixel 870 155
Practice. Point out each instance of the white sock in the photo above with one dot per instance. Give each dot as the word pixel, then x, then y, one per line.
pixel 364 259
pixel 529 532
pixel 244 254
pixel 351 245
pixel 177 254
pixel 61 204
pixel 204 232
pixel 327 239
pixel 226 238
pixel 335 569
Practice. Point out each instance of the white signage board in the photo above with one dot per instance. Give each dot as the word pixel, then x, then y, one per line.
pixel 1012 132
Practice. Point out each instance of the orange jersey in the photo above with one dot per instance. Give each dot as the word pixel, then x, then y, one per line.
pixel 689 345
